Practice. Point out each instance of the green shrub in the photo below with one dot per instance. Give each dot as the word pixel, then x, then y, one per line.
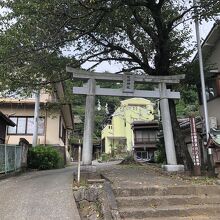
pixel 129 159
pixel 160 154
pixel 105 157
pixel 44 157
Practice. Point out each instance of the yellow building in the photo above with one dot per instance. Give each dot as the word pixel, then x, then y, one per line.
pixel 119 132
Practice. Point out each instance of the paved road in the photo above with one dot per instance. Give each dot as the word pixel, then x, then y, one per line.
pixel 41 195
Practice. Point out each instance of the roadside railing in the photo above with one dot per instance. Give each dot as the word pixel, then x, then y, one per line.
pixel 10 158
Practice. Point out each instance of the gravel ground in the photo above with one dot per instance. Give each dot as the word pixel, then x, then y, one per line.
pixel 145 175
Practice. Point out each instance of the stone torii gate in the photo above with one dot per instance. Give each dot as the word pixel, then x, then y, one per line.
pixel 90 89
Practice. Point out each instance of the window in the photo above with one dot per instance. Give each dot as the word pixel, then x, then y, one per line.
pixel 21 125
pixel 212 89
pixel 30 125
pixel 12 130
pixel 25 126
pixel 145 135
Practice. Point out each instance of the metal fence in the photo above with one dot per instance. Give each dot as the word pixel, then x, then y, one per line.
pixel 10 158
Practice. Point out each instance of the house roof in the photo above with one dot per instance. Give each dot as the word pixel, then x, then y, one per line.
pixel 145 124
pixel 66 108
pixel 210 40
pixel 7 120
pixel 27 100
pixel 117 137
pixel 68 116
pixel 185 122
pixel 136 101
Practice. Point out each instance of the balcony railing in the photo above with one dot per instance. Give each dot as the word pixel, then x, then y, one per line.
pixel 145 140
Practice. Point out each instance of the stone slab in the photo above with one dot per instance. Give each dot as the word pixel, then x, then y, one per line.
pixel 88 168
pixel 173 168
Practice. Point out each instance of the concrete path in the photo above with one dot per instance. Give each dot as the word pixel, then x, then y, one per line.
pixel 40 195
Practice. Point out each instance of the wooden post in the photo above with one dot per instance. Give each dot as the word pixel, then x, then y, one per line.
pixel 15 158
pixel 6 158
pixel 79 161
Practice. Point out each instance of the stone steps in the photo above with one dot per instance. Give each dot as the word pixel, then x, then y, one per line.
pixel 187 202
pixel 160 201
pixel 198 217
pixel 169 190
pixel 171 211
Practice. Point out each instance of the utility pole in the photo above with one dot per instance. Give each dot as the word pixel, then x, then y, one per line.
pixel 202 78
pixel 36 117
pixel 204 99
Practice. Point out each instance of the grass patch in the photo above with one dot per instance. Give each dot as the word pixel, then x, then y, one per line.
pixel 129 160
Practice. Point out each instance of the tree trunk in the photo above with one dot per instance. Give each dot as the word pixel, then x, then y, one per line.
pixel 182 153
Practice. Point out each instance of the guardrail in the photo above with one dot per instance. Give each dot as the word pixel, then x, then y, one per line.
pixel 10 158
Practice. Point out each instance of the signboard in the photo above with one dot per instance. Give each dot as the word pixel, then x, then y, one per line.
pixel 128 82
pixel 195 144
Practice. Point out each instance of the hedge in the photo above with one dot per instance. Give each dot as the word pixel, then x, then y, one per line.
pixel 44 158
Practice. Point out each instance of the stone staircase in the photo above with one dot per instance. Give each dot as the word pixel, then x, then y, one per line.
pixel 188 202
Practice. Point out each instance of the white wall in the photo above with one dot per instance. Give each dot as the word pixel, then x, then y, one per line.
pixel 213 109
pixel 214 58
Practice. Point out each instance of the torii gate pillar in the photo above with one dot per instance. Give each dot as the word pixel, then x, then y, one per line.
pixel 168 132
pixel 89 124
pixel 167 126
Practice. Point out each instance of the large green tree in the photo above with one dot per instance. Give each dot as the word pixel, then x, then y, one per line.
pixel 146 36
pixel 23 65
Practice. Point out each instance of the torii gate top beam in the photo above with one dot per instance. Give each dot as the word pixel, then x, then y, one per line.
pixel 83 74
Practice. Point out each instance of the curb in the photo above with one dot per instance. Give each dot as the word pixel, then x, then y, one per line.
pixel 111 202
pixel 12 174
